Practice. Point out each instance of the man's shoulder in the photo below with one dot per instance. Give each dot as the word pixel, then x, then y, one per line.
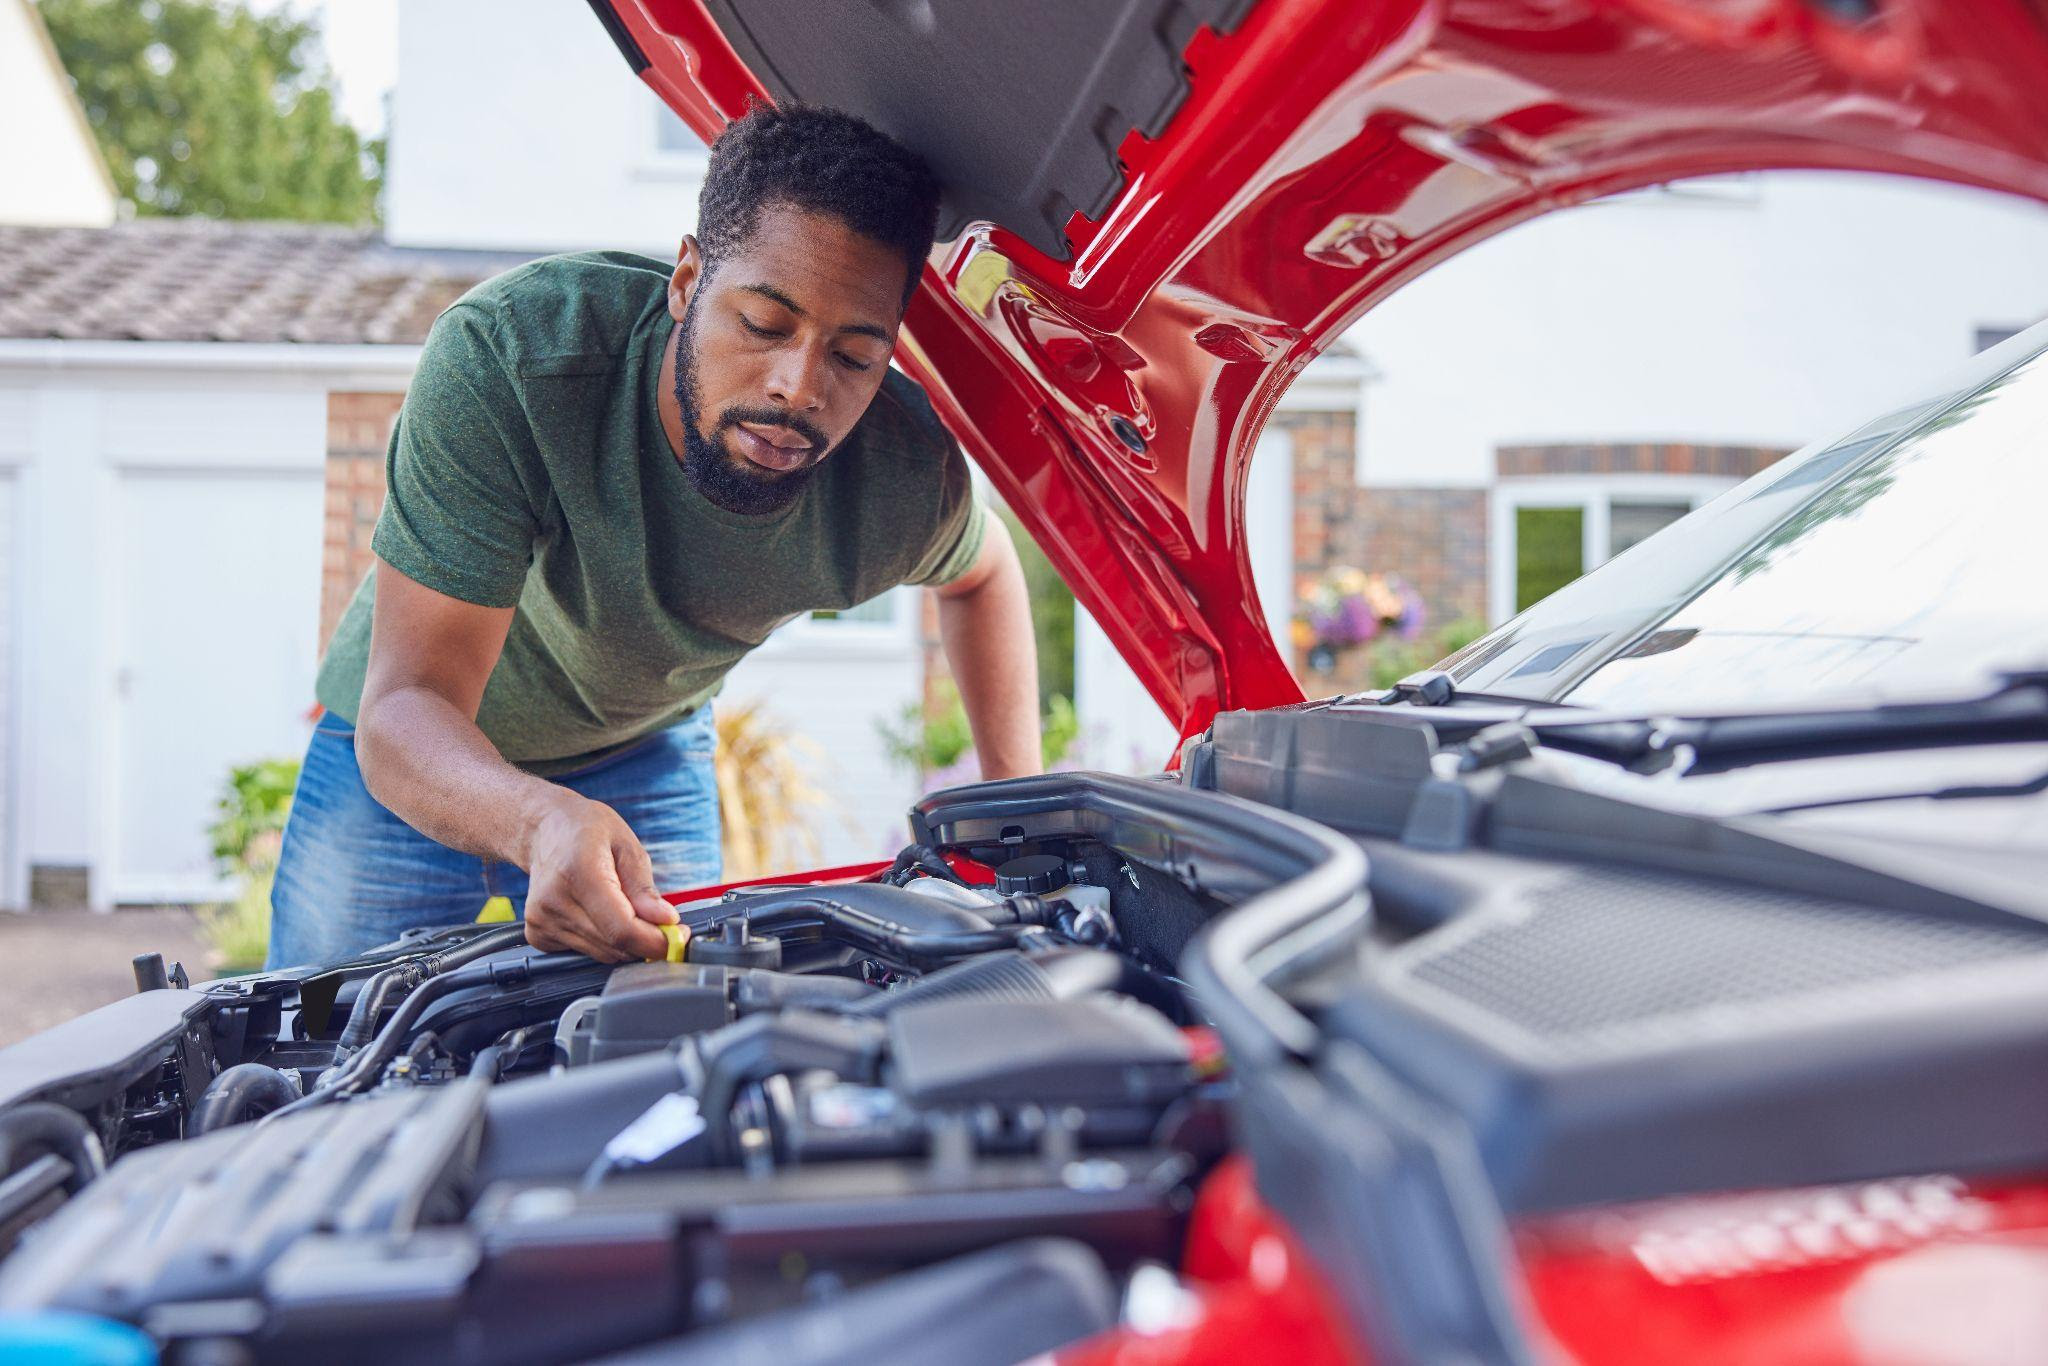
pixel 901 424
pixel 576 311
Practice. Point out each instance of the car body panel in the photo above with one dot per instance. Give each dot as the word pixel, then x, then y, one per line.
pixel 1325 154
pixel 1927 1271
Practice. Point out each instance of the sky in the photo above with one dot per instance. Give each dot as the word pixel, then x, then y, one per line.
pixel 361 37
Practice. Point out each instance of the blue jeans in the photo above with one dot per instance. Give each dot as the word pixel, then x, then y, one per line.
pixel 352 875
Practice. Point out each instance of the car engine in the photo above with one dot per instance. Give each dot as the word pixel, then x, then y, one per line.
pixel 969 1097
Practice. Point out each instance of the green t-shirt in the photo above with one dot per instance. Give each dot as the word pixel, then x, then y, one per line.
pixel 529 468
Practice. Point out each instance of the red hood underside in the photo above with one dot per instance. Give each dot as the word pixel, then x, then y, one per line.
pixel 1327 153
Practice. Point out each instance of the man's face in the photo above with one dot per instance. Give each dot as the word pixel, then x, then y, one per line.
pixel 781 350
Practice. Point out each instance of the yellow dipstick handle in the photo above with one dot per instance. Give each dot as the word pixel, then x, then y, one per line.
pixel 678 937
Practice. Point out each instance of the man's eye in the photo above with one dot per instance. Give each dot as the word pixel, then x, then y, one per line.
pixel 850 363
pixel 756 328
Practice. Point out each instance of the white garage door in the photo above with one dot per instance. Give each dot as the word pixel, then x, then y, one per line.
pixel 10 764
pixel 216 597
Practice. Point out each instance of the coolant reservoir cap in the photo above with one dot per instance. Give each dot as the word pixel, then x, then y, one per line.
pixel 1032 873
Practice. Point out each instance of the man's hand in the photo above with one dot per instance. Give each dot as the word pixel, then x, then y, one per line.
pixel 591 886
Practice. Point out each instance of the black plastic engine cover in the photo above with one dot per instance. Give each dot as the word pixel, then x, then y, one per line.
pixel 204 1220
pixel 1106 1051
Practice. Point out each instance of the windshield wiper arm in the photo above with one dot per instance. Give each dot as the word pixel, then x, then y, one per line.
pixel 1436 688
pixel 2016 711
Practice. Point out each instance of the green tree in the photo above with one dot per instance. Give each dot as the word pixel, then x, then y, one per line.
pixel 207 109
pixel 1052 615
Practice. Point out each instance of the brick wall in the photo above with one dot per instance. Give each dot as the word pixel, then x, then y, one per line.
pixel 1644 457
pixel 1435 539
pixel 358 430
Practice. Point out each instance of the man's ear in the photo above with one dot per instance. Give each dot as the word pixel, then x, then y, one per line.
pixel 688 274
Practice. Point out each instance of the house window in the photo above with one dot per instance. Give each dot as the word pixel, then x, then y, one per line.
pixel 671 134
pixel 1550 551
pixel 1549 530
pixel 1630 522
pixel 672 150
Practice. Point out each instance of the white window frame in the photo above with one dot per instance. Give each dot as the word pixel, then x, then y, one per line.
pixel 656 162
pixel 1594 495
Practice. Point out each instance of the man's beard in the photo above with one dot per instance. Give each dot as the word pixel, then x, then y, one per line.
pixel 730 481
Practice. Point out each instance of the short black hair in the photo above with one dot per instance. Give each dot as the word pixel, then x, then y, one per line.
pixel 824 161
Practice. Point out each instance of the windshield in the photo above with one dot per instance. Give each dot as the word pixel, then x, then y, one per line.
pixel 1907 559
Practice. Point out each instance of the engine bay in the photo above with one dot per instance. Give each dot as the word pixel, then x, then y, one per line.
pixel 1068 1064
pixel 978 1069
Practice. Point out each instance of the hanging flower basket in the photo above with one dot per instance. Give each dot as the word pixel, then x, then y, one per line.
pixel 1347 608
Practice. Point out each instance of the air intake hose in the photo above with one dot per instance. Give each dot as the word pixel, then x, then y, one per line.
pixel 29 1131
pixel 1056 976
pixel 243 1092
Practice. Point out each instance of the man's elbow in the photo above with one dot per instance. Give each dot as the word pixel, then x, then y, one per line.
pixel 374 748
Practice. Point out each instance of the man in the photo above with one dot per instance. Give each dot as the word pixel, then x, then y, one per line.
pixel 611 480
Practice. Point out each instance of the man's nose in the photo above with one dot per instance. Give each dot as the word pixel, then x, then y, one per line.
pixel 798 380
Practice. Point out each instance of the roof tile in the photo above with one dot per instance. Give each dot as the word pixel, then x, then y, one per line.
pixel 199 280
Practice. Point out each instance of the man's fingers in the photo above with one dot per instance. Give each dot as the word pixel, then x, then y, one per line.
pixel 633 937
pixel 556 929
pixel 612 918
pixel 636 879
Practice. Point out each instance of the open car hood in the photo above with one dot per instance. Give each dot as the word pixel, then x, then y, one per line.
pixel 1160 213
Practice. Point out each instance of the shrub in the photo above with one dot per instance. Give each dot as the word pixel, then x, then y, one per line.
pixel 937 739
pixel 767 805
pixel 247 834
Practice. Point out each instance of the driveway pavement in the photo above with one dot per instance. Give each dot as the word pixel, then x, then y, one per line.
pixel 57 964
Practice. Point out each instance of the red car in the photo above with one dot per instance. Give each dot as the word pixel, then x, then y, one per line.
pixel 1636 986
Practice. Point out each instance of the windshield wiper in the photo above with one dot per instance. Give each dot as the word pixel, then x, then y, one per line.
pixel 1436 688
pixel 2018 710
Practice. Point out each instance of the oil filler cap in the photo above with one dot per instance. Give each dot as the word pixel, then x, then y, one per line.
pixel 1036 873
pixel 735 946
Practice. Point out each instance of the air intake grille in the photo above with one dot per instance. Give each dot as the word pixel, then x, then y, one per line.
pixel 1612 948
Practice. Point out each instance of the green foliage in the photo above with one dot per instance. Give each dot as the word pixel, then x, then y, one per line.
pixel 239 930
pixel 207 109
pixel 930 741
pixel 249 815
pixel 247 833
pixel 1052 616
pixel 1390 661
pixel 924 741
pixel 1059 729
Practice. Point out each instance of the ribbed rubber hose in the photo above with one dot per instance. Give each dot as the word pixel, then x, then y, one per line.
pixel 243 1092
pixel 371 1000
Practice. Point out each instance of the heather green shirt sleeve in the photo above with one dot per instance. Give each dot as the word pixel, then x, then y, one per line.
pixel 963 523
pixel 458 516
pixel 961 519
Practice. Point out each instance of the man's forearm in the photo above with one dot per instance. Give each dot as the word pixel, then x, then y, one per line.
pixel 989 644
pixel 433 767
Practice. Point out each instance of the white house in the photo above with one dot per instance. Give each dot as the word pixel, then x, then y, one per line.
pixel 192 418
pixel 1613 366
pixel 192 425
pixel 51 171
pixel 1757 312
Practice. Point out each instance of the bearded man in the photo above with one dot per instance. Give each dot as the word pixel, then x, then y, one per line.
pixel 611 479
